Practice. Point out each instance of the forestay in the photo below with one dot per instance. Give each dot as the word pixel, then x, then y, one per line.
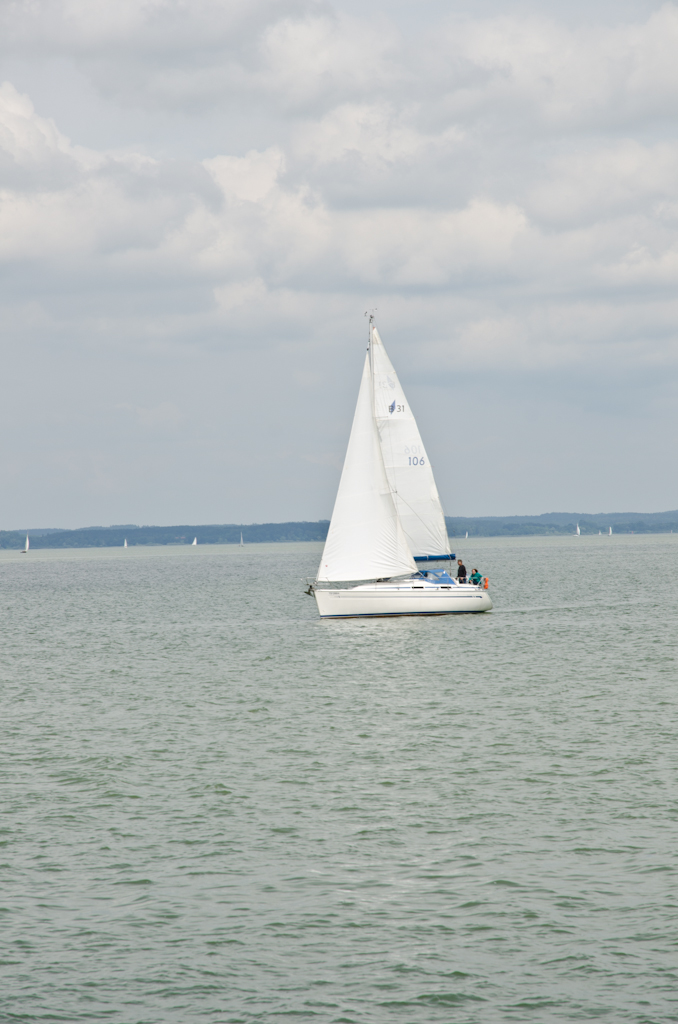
pixel 407 465
pixel 365 540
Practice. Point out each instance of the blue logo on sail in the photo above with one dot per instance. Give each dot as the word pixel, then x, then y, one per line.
pixel 391 407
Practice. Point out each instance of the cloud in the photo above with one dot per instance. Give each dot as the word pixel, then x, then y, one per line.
pixel 503 187
pixel 592 74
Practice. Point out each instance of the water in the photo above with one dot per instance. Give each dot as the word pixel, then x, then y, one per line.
pixel 218 808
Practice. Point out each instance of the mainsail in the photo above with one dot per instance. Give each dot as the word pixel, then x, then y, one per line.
pixel 407 465
pixel 365 540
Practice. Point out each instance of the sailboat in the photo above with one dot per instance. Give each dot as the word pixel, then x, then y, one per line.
pixel 577 531
pixel 241 540
pixel 610 533
pixel 194 543
pixel 387 514
pixel 125 544
pixel 25 550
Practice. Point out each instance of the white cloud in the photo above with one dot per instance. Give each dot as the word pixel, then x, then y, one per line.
pixel 587 75
pixel 249 178
pixel 326 56
pixel 380 134
pixel 409 248
pixel 607 180
pixel 509 182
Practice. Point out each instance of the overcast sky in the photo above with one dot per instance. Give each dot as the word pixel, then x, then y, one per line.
pixel 199 199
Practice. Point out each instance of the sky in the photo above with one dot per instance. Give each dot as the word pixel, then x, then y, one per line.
pixel 199 200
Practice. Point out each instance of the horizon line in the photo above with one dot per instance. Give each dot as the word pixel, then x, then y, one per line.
pixel 285 522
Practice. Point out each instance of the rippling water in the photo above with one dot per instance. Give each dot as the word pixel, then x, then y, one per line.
pixel 217 807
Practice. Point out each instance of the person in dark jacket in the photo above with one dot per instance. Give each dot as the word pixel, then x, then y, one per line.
pixel 461 571
pixel 475 577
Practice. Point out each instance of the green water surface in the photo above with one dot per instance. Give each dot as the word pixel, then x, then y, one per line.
pixel 218 808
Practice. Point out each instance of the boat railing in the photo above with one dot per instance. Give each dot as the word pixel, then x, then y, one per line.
pixel 312 583
pixel 316 584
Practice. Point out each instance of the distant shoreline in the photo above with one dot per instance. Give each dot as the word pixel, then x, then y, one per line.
pixel 550 524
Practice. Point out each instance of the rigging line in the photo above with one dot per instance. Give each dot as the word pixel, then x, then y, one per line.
pixel 394 490
pixel 414 511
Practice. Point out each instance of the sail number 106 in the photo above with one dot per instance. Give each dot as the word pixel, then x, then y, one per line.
pixel 414 458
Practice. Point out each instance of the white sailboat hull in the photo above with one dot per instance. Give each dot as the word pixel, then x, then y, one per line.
pixel 401 598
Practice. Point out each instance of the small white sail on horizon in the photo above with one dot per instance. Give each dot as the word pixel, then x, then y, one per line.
pixel 28 544
pixel 242 545
pixel 408 468
pixel 467 535
pixel 195 542
pixel 610 533
pixel 125 544
pixel 578 531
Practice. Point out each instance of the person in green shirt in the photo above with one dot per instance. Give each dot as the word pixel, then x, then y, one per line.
pixel 475 577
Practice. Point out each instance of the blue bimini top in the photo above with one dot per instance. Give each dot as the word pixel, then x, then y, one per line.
pixel 434 558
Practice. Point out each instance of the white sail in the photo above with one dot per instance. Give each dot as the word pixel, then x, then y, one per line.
pixel 407 465
pixel 365 540
pixel 195 542
pixel 28 543
pixel 610 533
pixel 242 545
pixel 125 544
pixel 578 530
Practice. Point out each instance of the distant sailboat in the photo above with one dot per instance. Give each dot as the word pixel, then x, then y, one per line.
pixel 195 542
pixel 578 531
pixel 610 533
pixel 242 545
pixel 125 544
pixel 25 550
pixel 600 533
pixel 467 535
pixel 387 514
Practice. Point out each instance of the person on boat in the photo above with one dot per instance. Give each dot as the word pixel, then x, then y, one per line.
pixel 461 571
pixel 475 577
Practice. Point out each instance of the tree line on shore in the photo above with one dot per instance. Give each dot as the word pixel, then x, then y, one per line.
pixel 549 524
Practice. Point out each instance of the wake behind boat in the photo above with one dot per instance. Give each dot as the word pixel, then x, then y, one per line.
pixel 387 515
